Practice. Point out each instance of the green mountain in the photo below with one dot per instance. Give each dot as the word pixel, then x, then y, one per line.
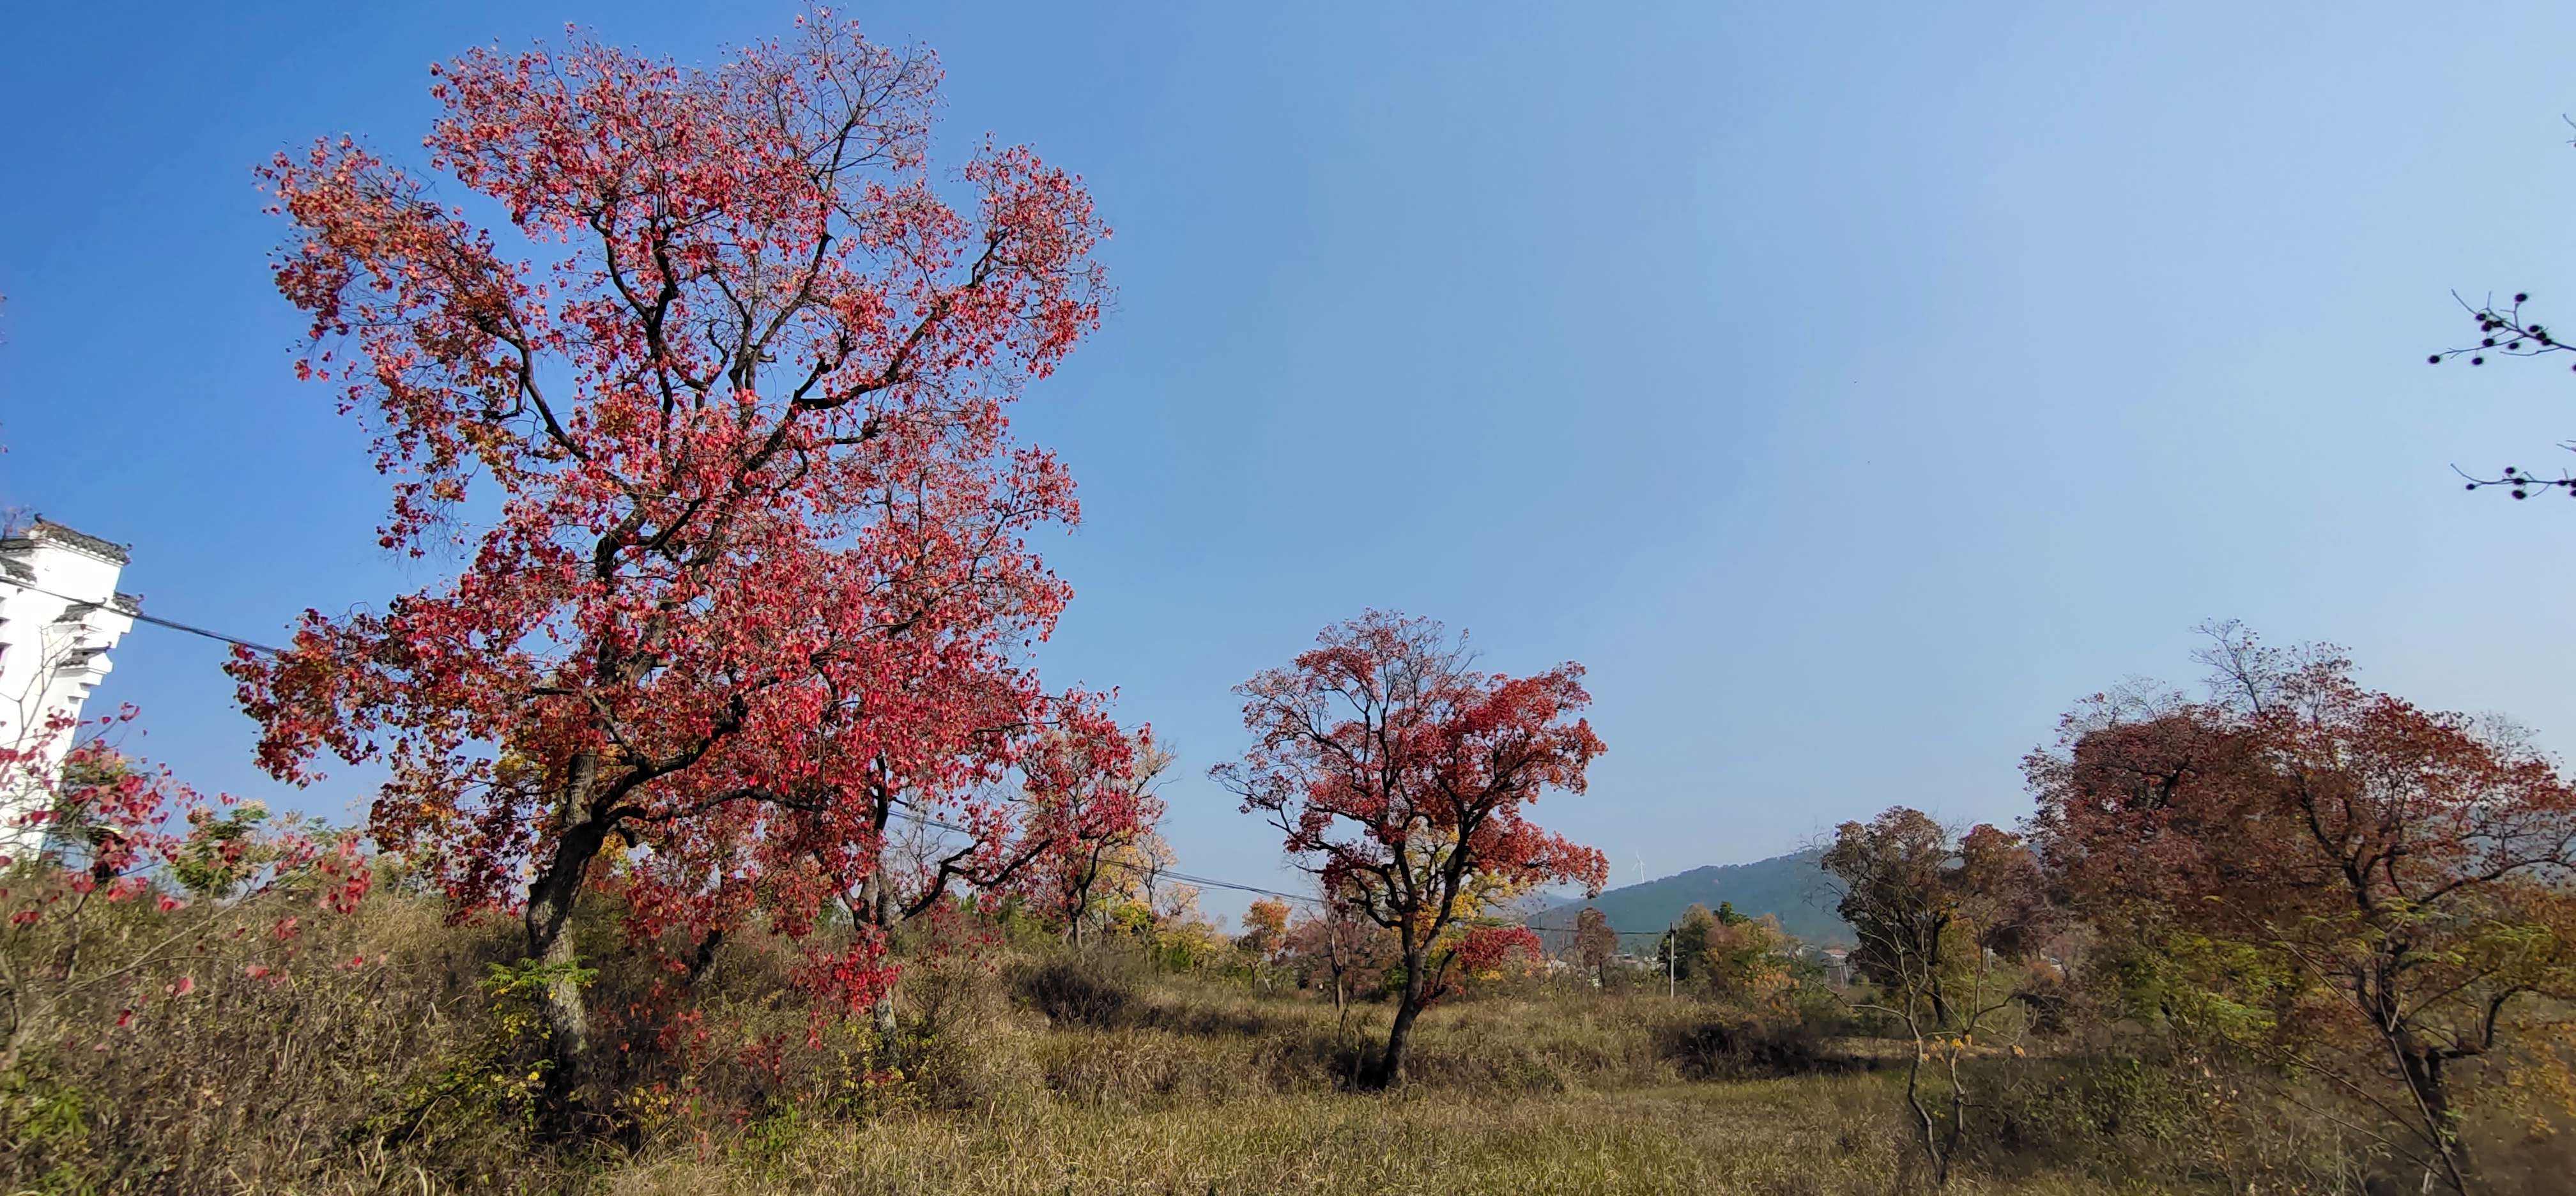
pixel 1790 886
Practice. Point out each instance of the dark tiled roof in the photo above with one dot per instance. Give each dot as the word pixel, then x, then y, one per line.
pixel 16 571
pixel 46 529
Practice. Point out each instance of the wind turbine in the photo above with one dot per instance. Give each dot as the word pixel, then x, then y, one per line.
pixel 1641 866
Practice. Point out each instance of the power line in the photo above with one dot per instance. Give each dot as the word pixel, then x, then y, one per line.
pixel 139 617
pixel 912 815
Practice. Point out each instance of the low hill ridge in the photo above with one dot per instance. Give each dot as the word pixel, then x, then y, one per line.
pixel 1789 886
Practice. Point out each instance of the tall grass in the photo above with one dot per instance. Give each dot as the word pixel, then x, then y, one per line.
pixel 392 1056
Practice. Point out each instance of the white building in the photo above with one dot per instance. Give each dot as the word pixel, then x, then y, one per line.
pixel 60 613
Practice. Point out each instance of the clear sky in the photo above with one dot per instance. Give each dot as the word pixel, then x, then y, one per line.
pixel 1849 387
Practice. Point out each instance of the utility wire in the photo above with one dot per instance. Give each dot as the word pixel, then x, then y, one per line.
pixel 910 814
pixel 914 815
pixel 140 617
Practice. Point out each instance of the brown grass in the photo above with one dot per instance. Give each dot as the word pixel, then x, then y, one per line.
pixel 1022 1072
pixel 1815 1135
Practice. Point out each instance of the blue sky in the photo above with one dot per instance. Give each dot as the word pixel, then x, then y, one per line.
pixel 1849 387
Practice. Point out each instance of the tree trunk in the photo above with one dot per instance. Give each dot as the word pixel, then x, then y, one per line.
pixel 705 955
pixel 1390 1071
pixel 1923 1120
pixel 2433 1095
pixel 877 903
pixel 16 1045
pixel 551 898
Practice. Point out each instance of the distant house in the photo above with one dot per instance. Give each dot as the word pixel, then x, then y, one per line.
pixel 1833 962
pixel 60 614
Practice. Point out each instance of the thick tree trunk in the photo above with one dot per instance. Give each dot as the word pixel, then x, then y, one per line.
pixel 551 898
pixel 1390 1071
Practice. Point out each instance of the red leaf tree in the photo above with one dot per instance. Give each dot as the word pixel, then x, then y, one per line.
pixel 1338 942
pixel 715 413
pixel 1089 797
pixel 2385 884
pixel 1401 776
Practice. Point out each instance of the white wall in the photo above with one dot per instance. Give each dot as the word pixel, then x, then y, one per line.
pixel 59 615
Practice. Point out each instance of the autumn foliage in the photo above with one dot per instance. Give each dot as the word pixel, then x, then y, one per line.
pixel 2370 893
pixel 708 387
pixel 105 830
pixel 701 380
pixel 1090 811
pixel 1401 776
pixel 1940 915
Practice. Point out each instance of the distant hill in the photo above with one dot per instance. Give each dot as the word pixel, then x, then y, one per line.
pixel 1788 886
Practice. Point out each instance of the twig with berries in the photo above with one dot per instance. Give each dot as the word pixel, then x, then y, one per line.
pixel 2503 330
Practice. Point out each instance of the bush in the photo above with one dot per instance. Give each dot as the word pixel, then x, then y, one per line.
pixel 265 1070
pixel 1745 1047
pixel 2119 1117
pixel 1095 989
pixel 960 1048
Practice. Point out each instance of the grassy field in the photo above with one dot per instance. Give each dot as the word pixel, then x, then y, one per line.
pixel 1031 1071
pixel 1813 1135
pixel 1201 1088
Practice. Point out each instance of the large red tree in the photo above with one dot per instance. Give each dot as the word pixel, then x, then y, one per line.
pixel 713 409
pixel 1401 776
pixel 2385 884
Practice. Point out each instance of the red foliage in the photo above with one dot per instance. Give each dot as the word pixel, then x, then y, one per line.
pixel 755 566
pixel 1488 949
pixel 108 828
pixel 2294 797
pixel 115 826
pixel 2403 869
pixel 1401 775
pixel 1087 793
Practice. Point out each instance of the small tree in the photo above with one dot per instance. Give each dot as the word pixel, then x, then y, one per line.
pixel 1595 943
pixel 1344 945
pixel 1746 960
pixel 1265 931
pixel 1091 805
pixel 1935 914
pixel 1684 951
pixel 1401 777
